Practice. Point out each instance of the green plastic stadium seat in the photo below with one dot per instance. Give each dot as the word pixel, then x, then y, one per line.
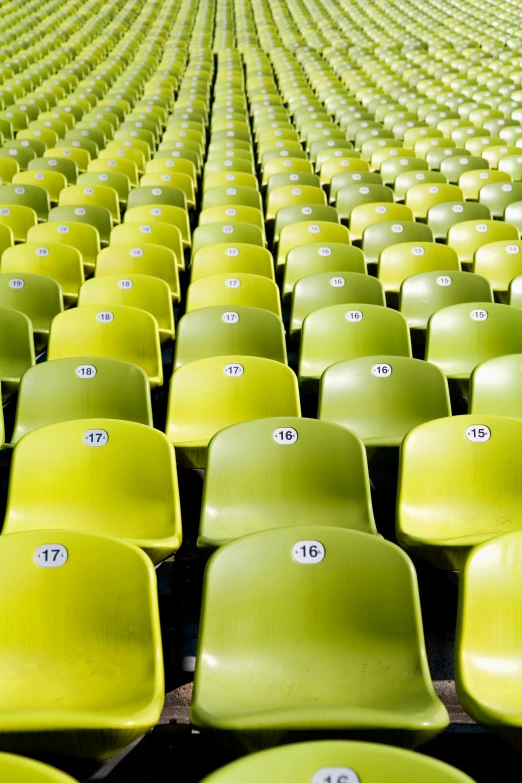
pixel 120 332
pixel 18 769
pixel 319 477
pixel 329 761
pixel 320 257
pixel 495 387
pixel 382 398
pixel 379 236
pixel 347 596
pixel 38 297
pixel 475 458
pixel 468 236
pixel 341 332
pixel 243 288
pixel 84 388
pixel 423 294
pixel 209 394
pixel 487 670
pixel 16 348
pixel 232 258
pixel 224 330
pixel 463 335
pixel 103 661
pixel 62 263
pixel 82 236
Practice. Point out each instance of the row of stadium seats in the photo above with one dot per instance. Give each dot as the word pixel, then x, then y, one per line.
pixel 200 190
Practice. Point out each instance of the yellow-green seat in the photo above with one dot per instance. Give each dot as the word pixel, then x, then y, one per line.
pixel 464 335
pixel 125 487
pixel 32 196
pixel 178 180
pixel 307 233
pixel 289 195
pixel 293 472
pixel 231 258
pixel 157 196
pixel 61 262
pixel 241 288
pixel 233 214
pixel 323 289
pixel 18 769
pixel 115 165
pixel 209 394
pixel 124 259
pixel 499 262
pixel 223 330
pixel 299 213
pixel 423 294
pixel 381 398
pixel 98 217
pixel 117 333
pixel 150 233
pixel 320 257
pixel 497 196
pixel 226 232
pixel 81 388
pixel 230 179
pixel 81 236
pixel 468 236
pixel 495 387
pixel 348 596
pixel 38 297
pixel 92 195
pixel 333 334
pixel 421 198
pixel 368 761
pixel 163 213
pixel 142 291
pixel 380 236
pixel 102 663
pixel 80 156
pixel 442 217
pixel 397 262
pixel 475 458
pixel 16 348
pixel 51 181
pixel 120 183
pixel 351 196
pixel 365 215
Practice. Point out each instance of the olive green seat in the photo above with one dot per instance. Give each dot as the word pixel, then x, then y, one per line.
pixel 379 236
pixel 17 769
pixel 423 294
pixel 39 297
pixel 104 689
pixel 320 257
pixel 120 332
pixel 169 196
pixel 31 196
pixel 209 394
pixel 496 387
pixel 398 262
pixel 317 598
pixel 349 178
pixel 497 196
pixel 16 348
pixel 224 330
pixel 499 262
pixel 240 195
pixel 144 292
pixel 98 217
pixel 410 179
pixel 333 334
pixel 241 288
pixel 442 217
pixel 84 388
pixel 382 398
pixel 293 472
pixel 352 196
pixel 463 335
pixel 297 213
pixel 125 487
pixel 337 762
pixel 476 460
pixel 487 650
pixel 330 288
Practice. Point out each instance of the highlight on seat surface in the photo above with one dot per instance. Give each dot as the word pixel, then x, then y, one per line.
pixel 239 288
pixel 341 761
pixel 39 298
pixel 18 769
pixel 293 472
pixel 476 459
pixel 382 398
pixel 16 348
pixel 421 295
pixel 487 663
pixel 101 475
pixel 339 332
pixel 496 387
pixel 92 708
pixel 338 605
pixel 85 388
pixel 222 331
pixel 117 332
pixel 209 394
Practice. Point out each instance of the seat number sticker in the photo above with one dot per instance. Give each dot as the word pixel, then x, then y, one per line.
pixel 51 556
pixel 308 552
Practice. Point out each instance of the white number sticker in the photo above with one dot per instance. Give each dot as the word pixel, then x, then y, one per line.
pixel 458 208
pixel 232 252
pixel 479 315
pixel 381 210
pixel 86 371
pixel 478 433
pixel 155 212
pixel 146 229
pixel 125 284
pixel 42 251
pixel 306 211
pixel 80 211
pixel 16 282
pixel 233 370
pixel 335 775
pixel 308 552
pixel 325 251
pixel 232 282
pixel 337 282
pixel 397 228
pixel 381 370
pixel 51 556
pixel 482 228
pixel 230 318
pixel 417 251
pixel 105 317
pixel 136 252
pixel 285 436
pixel 228 229
pixel 95 438
pixel 354 315
pixel 230 212
pixel 513 250
pixel 314 229
pixel 444 280
pixel 63 229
